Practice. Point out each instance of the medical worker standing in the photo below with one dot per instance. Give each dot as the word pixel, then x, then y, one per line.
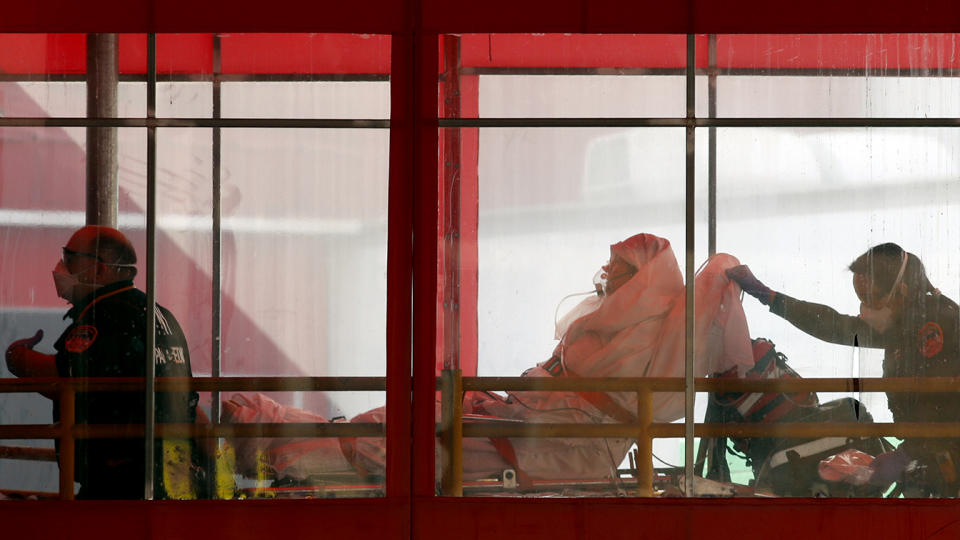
pixel 917 327
pixel 107 338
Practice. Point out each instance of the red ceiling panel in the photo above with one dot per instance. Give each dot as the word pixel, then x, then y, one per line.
pixel 879 51
pixel 193 53
pixel 306 53
pixel 573 51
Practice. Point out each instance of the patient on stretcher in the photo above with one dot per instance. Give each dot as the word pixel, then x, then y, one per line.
pixel 633 327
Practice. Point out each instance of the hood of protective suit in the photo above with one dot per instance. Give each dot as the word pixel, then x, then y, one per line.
pixel 648 294
pixel 639 330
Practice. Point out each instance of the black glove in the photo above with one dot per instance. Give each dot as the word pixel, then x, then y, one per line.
pixel 888 467
pixel 750 284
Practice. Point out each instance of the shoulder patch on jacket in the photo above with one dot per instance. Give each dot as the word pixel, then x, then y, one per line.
pixel 80 338
pixel 930 339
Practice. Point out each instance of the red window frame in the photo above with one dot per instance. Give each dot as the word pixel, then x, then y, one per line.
pixel 410 509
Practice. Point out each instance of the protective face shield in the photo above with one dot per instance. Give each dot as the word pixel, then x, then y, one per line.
pixel 881 318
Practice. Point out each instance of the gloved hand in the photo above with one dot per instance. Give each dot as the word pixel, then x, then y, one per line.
pixel 888 467
pixel 16 348
pixel 19 352
pixel 750 284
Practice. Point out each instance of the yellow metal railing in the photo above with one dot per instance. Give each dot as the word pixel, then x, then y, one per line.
pixel 66 432
pixel 451 428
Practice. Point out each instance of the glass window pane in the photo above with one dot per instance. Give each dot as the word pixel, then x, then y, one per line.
pixel 313 99
pixel 184 99
pixel 46 75
pixel 300 263
pixel 557 76
pixel 800 206
pixel 185 75
pixel 43 204
pixel 305 76
pixel 551 204
pixel 324 236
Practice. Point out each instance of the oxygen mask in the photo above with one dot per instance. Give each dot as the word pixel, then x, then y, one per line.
pixel 600 282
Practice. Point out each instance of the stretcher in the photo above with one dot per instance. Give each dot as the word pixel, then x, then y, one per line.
pixel 635 330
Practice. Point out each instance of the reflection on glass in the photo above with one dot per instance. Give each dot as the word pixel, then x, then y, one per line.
pixel 302 286
pixel 325 231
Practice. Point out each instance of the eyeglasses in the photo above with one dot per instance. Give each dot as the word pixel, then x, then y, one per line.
pixel 68 254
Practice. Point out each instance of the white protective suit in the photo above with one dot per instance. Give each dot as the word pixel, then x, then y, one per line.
pixel 636 331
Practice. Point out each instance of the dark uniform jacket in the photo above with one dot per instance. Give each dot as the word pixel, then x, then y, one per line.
pixel 923 343
pixel 108 339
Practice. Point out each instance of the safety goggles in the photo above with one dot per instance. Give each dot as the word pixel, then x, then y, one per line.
pixel 69 255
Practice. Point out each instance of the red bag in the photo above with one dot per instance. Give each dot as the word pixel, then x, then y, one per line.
pixel 769 407
pixel 851 466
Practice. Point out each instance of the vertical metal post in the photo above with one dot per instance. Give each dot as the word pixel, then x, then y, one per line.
pixel 689 391
pixel 102 85
pixel 450 189
pixel 712 145
pixel 450 229
pixel 451 427
pixel 407 159
pixel 149 419
pixel 426 312
pixel 216 256
pixel 67 418
pixel 644 443
pixel 711 188
pixel 216 284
